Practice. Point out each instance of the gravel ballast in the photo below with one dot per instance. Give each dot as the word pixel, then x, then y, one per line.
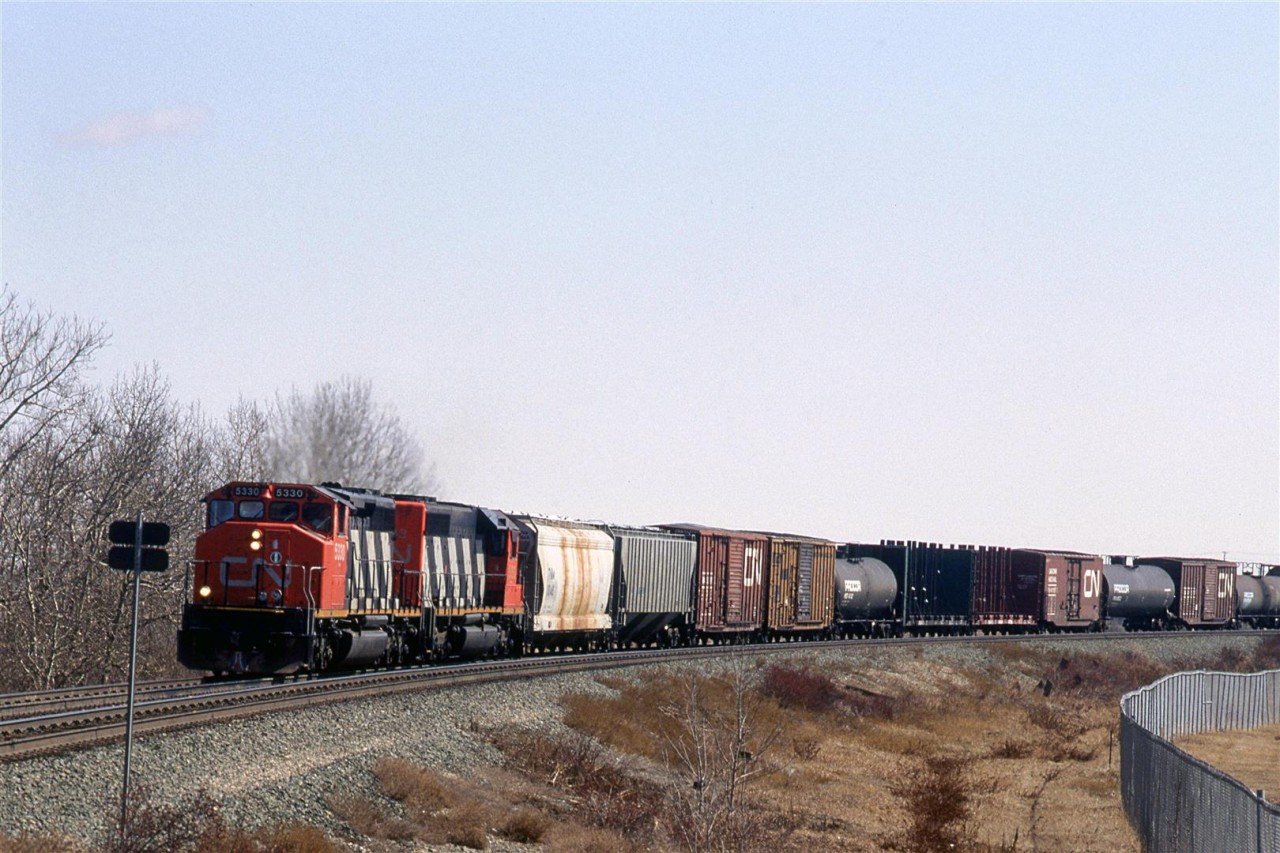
pixel 283 767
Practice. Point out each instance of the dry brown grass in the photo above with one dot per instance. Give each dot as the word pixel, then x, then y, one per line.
pixel 421 791
pixel 1252 756
pixel 371 818
pixel 37 844
pixel 525 826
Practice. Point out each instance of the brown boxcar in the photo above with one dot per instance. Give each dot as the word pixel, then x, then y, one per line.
pixel 1206 590
pixel 799 585
pixel 729 581
pixel 1072 585
pixel 1007 594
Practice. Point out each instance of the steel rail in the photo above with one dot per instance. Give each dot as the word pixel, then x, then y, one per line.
pixel 222 700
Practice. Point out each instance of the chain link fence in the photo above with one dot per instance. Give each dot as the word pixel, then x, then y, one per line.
pixel 1176 802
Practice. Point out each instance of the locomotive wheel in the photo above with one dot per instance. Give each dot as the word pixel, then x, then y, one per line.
pixel 323 654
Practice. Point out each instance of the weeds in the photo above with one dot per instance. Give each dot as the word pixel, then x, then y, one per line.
pixel 800 688
pixel 417 788
pixel 1106 677
pixel 605 794
pixel 937 796
pixel 1266 655
pixel 525 827
pixel 371 818
pixel 806 748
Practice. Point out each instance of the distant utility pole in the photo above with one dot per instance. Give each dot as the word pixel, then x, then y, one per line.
pixel 139 548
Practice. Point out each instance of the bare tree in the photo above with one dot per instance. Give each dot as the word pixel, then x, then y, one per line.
pixel 41 358
pixel 127 449
pixel 716 746
pixel 242 452
pixel 338 432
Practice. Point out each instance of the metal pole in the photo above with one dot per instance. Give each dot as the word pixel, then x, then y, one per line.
pixel 1259 797
pixel 133 666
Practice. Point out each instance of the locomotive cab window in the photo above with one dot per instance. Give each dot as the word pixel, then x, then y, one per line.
pixel 220 511
pixel 251 509
pixel 318 517
pixel 282 511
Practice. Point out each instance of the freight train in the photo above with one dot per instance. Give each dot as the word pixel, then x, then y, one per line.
pixel 296 578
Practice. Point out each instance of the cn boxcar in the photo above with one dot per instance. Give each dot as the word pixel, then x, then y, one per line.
pixel 730 583
pixel 653 585
pixel 1206 596
pixel 1072 585
pixel 799 586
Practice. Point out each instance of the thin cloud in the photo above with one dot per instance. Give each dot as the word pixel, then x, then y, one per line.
pixel 122 127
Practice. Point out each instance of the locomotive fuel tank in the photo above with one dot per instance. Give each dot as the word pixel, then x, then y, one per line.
pixel 865 589
pixel 1138 592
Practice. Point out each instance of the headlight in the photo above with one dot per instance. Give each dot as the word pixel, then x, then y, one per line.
pixel 205 592
pixel 255 545
pixel 256 534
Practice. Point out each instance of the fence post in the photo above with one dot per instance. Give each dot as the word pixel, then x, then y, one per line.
pixel 1258 811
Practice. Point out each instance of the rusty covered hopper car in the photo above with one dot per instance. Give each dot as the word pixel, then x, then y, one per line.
pixel 1072 587
pixel 729 590
pixel 653 584
pixel 567 568
pixel 799 585
pixel 1206 593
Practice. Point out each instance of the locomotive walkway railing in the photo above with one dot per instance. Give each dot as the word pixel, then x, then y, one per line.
pixel 1176 802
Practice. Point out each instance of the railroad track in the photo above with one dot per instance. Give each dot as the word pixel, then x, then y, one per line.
pixel 55 720
pixel 44 702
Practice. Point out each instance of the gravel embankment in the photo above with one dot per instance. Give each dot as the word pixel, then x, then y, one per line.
pixel 282 767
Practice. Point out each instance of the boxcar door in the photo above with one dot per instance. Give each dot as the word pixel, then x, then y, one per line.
pixel 804 584
pixel 734 572
pixel 1075 577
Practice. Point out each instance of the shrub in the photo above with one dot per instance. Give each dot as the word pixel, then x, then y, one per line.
pixel 371 818
pixel 1011 748
pixel 34 844
pixel 469 825
pixel 938 798
pixel 294 838
pixel 1266 655
pixel 159 827
pixel 800 688
pixel 1105 677
pixel 806 748
pixel 606 794
pixel 420 789
pixel 863 703
pixel 525 827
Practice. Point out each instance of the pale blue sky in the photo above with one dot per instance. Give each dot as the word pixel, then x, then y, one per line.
pixel 998 274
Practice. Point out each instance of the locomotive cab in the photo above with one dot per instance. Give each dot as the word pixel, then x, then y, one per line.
pixel 271 556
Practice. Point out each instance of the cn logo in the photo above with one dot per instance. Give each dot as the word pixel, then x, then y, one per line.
pixel 1092 583
pixel 251 582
